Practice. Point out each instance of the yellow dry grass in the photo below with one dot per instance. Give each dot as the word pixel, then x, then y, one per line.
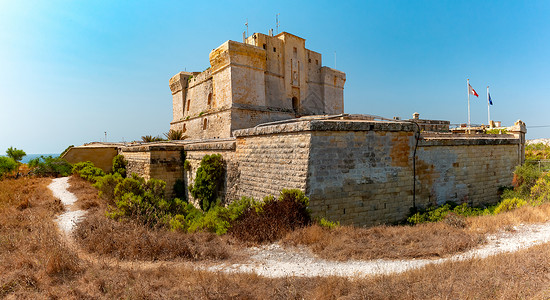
pixel 35 262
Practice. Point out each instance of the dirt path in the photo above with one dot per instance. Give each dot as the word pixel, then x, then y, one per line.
pixel 275 261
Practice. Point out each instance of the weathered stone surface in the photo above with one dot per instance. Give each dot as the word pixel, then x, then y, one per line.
pixel 262 80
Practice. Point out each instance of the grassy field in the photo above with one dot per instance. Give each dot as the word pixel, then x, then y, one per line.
pixel 37 262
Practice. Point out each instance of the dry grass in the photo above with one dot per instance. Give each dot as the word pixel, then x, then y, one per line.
pixel 523 215
pixel 87 195
pixel 392 242
pixel 132 241
pixel 35 263
pixel 31 252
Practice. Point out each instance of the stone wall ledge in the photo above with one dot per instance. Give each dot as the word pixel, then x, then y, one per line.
pixel 192 145
pixel 450 139
pixel 324 125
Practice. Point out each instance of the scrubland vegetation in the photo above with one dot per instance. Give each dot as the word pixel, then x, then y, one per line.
pixel 130 225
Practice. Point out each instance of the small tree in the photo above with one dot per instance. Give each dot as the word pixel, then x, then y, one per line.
pixel 119 165
pixel 208 180
pixel 7 165
pixel 15 154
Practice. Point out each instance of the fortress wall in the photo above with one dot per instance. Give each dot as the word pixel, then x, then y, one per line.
pixel 272 158
pixel 361 173
pixel 465 169
pixel 218 125
pixel 163 161
pixel 101 156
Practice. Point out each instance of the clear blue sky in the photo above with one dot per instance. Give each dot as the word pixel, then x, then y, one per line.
pixel 71 70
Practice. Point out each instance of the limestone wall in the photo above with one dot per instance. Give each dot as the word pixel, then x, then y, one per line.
pixel 361 172
pixel 163 161
pixel 465 169
pixel 269 161
pixel 361 176
pixel 101 155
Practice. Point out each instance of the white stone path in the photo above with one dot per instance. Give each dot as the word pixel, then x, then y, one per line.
pixel 276 261
pixel 71 216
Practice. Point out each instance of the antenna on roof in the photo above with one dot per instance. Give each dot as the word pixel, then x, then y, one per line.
pixel 334 59
pixel 277 22
pixel 244 37
pixel 246 27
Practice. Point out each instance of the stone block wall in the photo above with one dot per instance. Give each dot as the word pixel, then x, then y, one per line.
pixel 361 172
pixel 272 161
pixel 163 161
pixel 465 169
pixel 357 172
pixel 361 177
pixel 101 155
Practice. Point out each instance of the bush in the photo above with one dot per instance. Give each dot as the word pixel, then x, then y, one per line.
pixel 540 192
pixel 208 180
pixel 50 166
pixel 119 165
pixel 87 170
pixel 275 218
pixel 525 177
pixel 327 224
pixel 439 213
pixel 537 151
pixel 7 165
pixel 509 204
pixel 15 154
pixel 187 165
pixel 106 186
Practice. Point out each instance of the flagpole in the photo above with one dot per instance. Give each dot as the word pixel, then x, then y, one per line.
pixel 468 87
pixel 488 109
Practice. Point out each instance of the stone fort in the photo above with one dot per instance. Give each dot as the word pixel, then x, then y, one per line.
pixel 276 115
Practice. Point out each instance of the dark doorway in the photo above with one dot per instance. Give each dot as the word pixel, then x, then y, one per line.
pixel 295 105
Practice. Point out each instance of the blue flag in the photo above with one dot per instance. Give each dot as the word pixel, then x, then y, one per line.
pixel 489 98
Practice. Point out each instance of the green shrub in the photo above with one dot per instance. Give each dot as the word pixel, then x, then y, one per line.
pixel 537 151
pixel 50 166
pixel 496 131
pixel 131 185
pixel 15 154
pixel 208 180
pixel 509 204
pixel 119 165
pixel 7 165
pixel 187 165
pixel 107 184
pixel 525 177
pixel 327 224
pixel 81 165
pixel 87 170
pixel 439 213
pixel 540 192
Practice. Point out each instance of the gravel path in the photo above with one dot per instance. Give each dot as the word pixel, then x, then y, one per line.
pixel 275 261
pixel 72 215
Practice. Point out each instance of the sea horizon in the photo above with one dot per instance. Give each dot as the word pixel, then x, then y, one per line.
pixel 28 157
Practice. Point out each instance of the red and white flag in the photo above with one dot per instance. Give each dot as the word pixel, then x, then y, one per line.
pixel 472 91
